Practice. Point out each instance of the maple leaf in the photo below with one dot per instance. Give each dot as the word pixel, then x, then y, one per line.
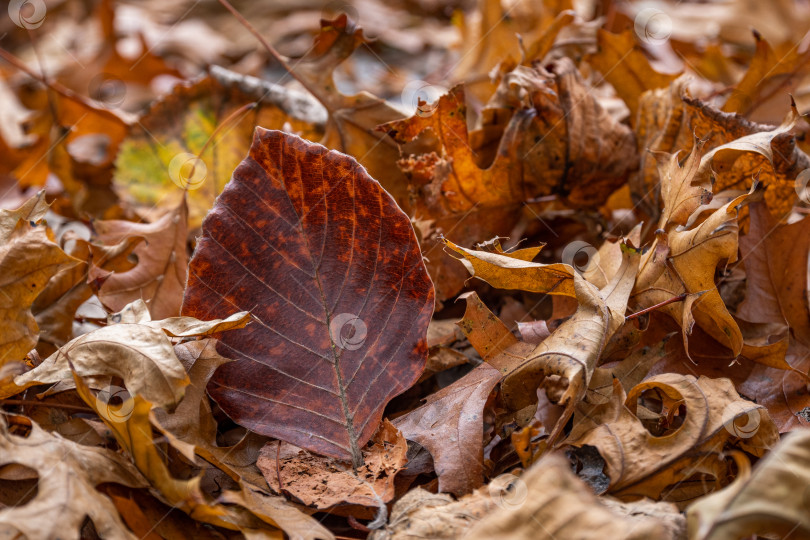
pixel 333 251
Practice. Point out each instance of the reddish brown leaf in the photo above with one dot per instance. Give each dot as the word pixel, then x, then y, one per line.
pixel 450 427
pixel 330 267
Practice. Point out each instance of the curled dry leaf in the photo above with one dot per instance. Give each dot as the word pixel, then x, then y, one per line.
pixel 572 350
pixel 774 499
pixel 684 262
pixel 548 501
pixel 131 425
pixel 515 270
pixel 330 268
pixel 737 149
pixel 68 475
pixel 159 277
pixel 450 425
pixel 641 463
pixel 323 483
pixel 29 257
pixel 140 355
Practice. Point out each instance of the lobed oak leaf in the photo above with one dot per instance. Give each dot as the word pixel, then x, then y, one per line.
pixel 313 247
pixel 450 425
pixel 558 141
pixel 684 263
pixel 68 477
pixel 159 277
pixel 29 258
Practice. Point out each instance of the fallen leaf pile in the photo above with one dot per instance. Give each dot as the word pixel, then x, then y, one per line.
pixel 532 269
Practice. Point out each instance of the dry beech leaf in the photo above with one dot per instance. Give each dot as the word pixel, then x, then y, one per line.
pixel 159 277
pixel 330 269
pixel 322 482
pixel 775 256
pixel 774 499
pixel 622 63
pixel 68 475
pixel 29 257
pixel 450 425
pixel 640 463
pixel 548 501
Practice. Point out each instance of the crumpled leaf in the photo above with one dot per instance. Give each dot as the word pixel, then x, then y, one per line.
pixel 450 425
pixel 775 256
pixel 29 257
pixel 771 500
pixel 668 121
pixel 558 140
pixel 161 154
pixel 548 501
pixel 641 463
pixel 69 474
pixel 139 354
pixel 571 351
pixel 324 483
pixel 306 233
pixel 159 277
